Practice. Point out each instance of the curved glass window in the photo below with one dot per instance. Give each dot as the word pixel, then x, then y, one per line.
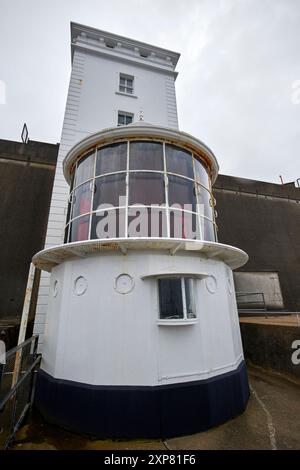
pixel 147 222
pixel 146 156
pixel 79 229
pixel 209 230
pixel 85 169
pixel 140 188
pixel 201 175
pixel 184 225
pixel 111 158
pixel 205 202
pixel 182 193
pixel 110 190
pixel 108 224
pixel 81 199
pixel 146 188
pixel 179 161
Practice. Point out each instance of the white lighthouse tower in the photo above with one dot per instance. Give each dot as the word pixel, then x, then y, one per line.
pixel 142 335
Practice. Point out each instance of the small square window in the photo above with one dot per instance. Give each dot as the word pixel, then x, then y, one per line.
pixel 126 84
pixel 176 298
pixel 124 118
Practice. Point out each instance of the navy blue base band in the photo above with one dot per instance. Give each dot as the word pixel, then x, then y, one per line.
pixel 133 411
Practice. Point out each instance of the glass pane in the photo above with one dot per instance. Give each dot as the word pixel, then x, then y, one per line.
pixel 111 158
pixel 69 209
pixel 129 82
pixel 110 190
pixel 208 230
pixel 205 202
pixel 201 174
pixel 66 236
pixel 80 229
pixel 170 299
pixel 146 188
pixel 81 199
pixel 108 224
pixel 184 225
pixel 147 222
pixel 146 156
pixel 179 161
pixel 182 193
pixel 189 297
pixel 85 169
pixel 129 90
pixel 122 80
pixel 128 119
pixel 121 119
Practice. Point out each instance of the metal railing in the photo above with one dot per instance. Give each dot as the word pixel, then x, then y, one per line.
pixel 251 300
pixel 17 378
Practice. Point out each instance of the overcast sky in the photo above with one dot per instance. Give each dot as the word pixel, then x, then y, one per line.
pixel 239 63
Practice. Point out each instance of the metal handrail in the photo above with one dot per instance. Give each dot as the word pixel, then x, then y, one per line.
pixel 12 351
pixel 15 387
pixel 19 394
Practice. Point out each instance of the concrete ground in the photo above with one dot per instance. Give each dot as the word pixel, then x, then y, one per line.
pixel 271 421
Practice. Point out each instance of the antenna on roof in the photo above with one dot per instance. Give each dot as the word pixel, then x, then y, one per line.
pixel 24 134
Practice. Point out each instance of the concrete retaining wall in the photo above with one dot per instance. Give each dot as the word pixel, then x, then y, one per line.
pixel 270 346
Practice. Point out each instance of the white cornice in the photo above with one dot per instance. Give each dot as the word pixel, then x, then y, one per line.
pixel 51 257
pixel 99 38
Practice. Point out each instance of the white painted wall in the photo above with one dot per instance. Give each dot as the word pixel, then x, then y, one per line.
pixel 100 101
pixel 106 338
pixel 93 104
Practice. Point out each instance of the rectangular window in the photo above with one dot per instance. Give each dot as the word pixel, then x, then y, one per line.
pixel 126 84
pixel 124 118
pixel 176 299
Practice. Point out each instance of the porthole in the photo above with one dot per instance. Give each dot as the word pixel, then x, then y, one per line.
pixel 124 284
pixel 211 284
pixel 55 288
pixel 80 285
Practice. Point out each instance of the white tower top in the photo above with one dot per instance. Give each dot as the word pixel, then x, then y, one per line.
pixel 121 80
pixel 122 48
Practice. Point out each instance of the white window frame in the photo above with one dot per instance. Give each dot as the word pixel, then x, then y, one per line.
pixel 127 87
pixel 179 321
pixel 126 114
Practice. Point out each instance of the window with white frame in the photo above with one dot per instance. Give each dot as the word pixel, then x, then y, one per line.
pixel 176 298
pixel 126 84
pixel 124 118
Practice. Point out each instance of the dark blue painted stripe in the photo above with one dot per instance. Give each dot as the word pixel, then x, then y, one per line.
pixel 142 411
